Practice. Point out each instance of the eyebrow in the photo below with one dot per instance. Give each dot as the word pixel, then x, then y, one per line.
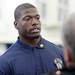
pixel 30 16
pixel 33 16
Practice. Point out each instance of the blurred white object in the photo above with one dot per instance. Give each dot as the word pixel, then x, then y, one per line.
pixel 2 49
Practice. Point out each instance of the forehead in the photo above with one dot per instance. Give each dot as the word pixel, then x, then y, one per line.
pixel 29 11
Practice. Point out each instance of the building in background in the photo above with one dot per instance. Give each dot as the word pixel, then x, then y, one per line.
pixel 53 13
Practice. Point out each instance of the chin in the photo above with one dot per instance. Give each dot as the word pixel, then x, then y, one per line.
pixel 34 37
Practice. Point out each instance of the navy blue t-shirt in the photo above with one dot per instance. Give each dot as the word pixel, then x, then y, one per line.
pixel 22 59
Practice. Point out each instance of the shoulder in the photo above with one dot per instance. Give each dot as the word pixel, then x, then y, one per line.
pixel 54 51
pixel 53 48
pixel 10 53
pixel 50 44
pixel 7 58
pixel 5 64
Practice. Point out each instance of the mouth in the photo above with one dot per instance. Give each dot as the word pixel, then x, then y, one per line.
pixel 35 30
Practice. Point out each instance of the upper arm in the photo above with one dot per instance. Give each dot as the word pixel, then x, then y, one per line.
pixel 4 67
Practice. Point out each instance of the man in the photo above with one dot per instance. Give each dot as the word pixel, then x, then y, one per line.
pixel 69 46
pixel 31 54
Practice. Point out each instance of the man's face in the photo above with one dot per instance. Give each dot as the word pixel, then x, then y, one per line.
pixel 28 24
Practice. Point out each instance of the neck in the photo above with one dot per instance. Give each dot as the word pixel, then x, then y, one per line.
pixel 31 42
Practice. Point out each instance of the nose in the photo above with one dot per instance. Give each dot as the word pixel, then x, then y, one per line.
pixel 35 22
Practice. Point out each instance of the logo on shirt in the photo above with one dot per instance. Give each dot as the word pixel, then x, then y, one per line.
pixel 58 62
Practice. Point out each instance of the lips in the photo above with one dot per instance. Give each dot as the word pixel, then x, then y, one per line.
pixel 35 30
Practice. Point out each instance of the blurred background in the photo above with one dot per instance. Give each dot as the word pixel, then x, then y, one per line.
pixel 53 14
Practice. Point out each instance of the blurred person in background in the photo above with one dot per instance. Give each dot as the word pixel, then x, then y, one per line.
pixel 31 54
pixel 69 46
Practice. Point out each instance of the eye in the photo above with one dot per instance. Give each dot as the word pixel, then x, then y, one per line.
pixel 27 18
pixel 38 17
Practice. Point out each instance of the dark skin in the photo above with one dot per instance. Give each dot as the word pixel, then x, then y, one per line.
pixel 29 26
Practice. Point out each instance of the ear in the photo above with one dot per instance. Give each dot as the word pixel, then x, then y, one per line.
pixel 15 24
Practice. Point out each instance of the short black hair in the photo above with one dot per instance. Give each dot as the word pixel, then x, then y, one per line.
pixel 20 8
